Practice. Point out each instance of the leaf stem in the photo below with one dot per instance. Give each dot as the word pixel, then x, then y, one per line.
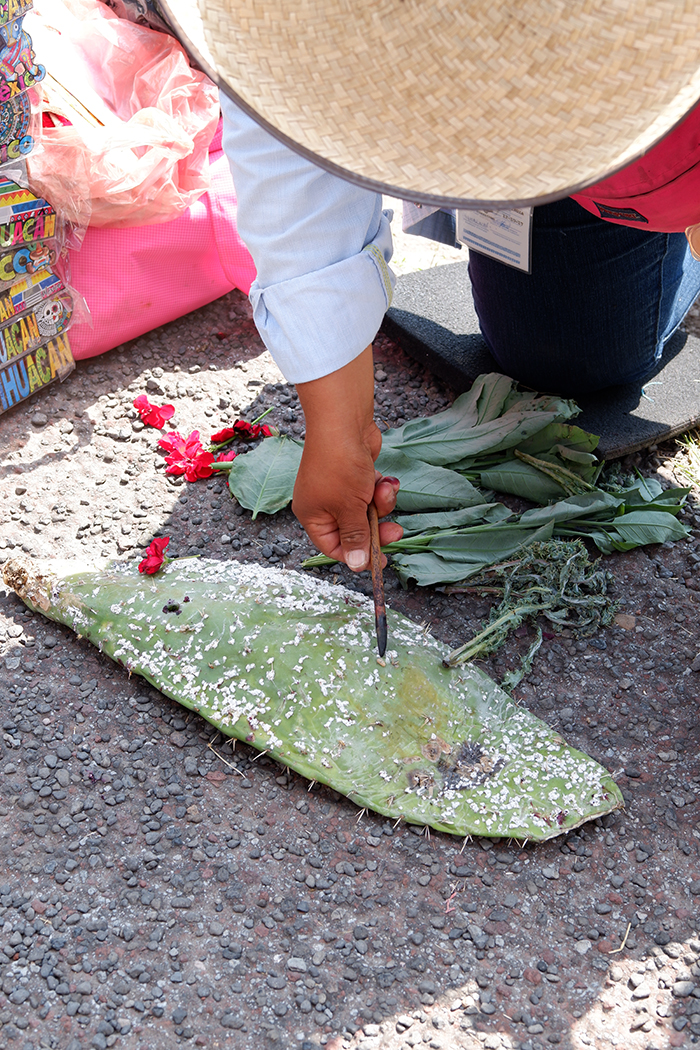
pixel 480 641
pixel 572 483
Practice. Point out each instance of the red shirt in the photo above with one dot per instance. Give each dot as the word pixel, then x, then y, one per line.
pixel 660 191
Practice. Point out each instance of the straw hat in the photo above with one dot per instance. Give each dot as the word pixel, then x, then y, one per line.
pixel 456 101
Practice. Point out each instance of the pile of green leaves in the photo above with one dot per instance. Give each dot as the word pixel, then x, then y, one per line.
pixel 492 437
pixel 450 546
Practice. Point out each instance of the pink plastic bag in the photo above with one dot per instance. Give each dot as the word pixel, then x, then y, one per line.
pixel 136 279
pixel 141 118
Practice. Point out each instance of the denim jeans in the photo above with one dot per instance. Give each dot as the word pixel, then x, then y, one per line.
pixel 598 307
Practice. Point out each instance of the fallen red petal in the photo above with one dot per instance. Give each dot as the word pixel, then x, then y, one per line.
pixel 155 555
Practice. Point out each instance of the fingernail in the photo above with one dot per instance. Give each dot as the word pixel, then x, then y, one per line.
pixel 356 560
pixel 393 481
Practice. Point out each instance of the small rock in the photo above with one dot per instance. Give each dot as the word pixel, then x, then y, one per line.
pixel 297 965
pixel 26 800
pixel 231 1021
pixel 682 989
pixel 39 419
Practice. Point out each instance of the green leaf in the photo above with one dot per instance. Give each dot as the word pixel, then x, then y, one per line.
pixel 263 479
pixel 451 519
pixel 554 435
pixel 642 527
pixel 651 494
pixel 485 545
pixel 573 455
pixel 427 568
pixel 492 393
pixel 425 487
pixel 489 417
pixel 586 505
pixel 451 558
pixel 643 490
pixel 520 479
pixel 597 536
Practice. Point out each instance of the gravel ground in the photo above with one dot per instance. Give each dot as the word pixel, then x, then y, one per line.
pixel 158 889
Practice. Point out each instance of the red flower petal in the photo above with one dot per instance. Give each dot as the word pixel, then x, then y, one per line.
pixel 199 466
pixel 193 446
pixel 226 457
pixel 173 442
pixel 152 415
pixel 155 555
pixel 243 429
pixel 222 436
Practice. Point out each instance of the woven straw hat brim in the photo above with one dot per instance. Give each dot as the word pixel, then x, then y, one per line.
pixel 456 102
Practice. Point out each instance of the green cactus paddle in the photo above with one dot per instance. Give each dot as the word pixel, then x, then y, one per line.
pixel 287 663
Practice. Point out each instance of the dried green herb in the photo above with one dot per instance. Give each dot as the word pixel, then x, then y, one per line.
pixel 555 579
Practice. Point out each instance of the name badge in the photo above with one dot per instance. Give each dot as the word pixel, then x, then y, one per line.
pixel 502 235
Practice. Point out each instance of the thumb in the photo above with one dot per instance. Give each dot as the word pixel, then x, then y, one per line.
pixel 354 539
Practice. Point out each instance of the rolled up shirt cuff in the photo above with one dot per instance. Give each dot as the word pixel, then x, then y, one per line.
pixel 318 322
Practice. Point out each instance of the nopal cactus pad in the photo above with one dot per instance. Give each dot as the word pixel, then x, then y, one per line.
pixel 287 663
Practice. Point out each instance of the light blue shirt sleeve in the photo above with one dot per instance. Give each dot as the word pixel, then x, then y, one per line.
pixel 321 247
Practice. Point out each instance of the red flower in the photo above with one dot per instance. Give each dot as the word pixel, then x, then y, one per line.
pixel 247 431
pixel 243 430
pixel 155 556
pixel 150 414
pixel 226 457
pixel 222 437
pixel 186 456
pixel 172 441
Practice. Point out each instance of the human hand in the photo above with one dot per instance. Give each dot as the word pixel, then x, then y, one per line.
pixel 337 479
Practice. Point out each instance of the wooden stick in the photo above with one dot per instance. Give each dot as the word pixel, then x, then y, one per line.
pixel 377 579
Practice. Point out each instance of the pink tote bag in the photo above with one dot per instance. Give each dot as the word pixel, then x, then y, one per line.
pixel 138 278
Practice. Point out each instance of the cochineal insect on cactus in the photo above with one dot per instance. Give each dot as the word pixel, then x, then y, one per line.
pixel 286 663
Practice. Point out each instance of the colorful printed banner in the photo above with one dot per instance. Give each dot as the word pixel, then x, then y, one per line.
pixel 32 330
pixel 18 69
pixel 28 292
pixel 11 10
pixel 24 217
pixel 15 122
pixel 19 379
pixel 28 259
